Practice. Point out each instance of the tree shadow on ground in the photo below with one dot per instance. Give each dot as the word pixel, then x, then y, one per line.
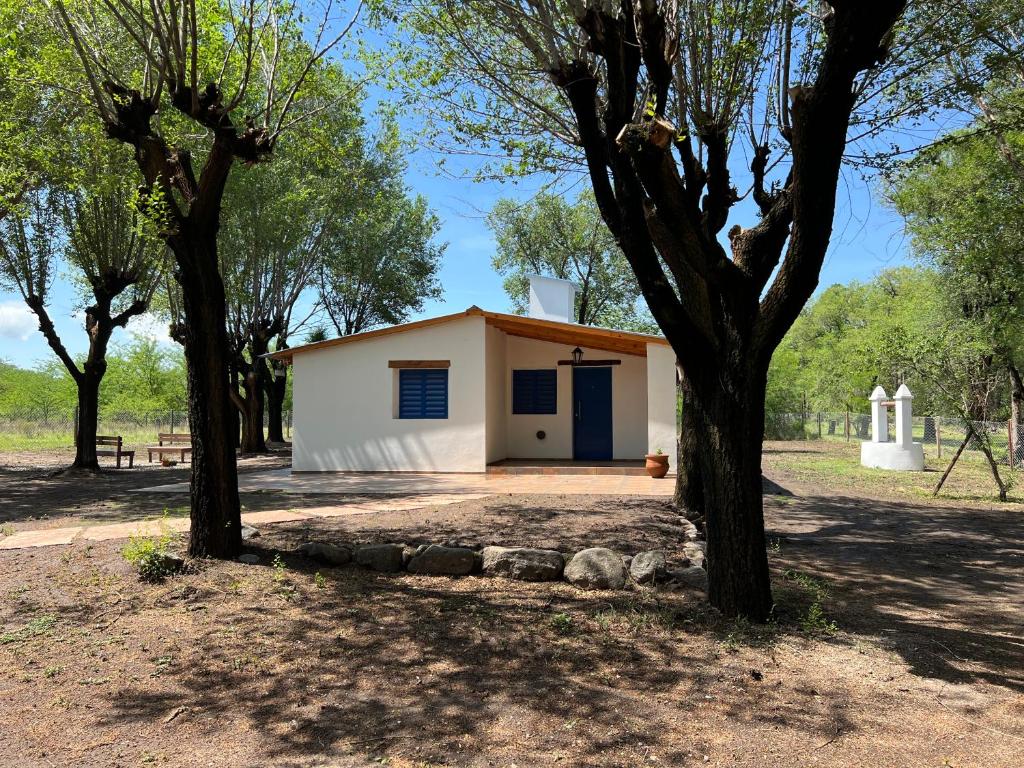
pixel 939 585
pixel 435 669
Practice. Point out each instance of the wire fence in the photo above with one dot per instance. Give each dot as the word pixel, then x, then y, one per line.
pixel 29 429
pixel 939 434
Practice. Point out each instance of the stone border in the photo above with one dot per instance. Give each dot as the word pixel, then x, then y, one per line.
pixel 591 568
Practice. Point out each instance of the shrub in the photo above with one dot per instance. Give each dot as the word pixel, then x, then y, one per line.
pixel 151 556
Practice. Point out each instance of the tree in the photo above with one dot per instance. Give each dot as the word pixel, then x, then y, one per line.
pixel 661 99
pixel 962 205
pixel 549 236
pixel 237 74
pixel 272 243
pixel 112 256
pixel 380 262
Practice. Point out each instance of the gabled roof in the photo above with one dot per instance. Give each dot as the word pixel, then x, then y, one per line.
pixel 623 342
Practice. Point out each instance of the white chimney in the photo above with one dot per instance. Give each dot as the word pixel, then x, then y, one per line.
pixel 552 299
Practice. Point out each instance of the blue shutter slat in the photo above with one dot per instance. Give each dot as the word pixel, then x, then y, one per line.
pixel 423 394
pixel 535 391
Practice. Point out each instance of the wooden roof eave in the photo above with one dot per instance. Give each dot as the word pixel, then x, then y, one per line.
pixel 622 342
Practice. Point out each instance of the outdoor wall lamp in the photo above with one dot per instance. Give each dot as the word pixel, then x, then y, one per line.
pixel 577 356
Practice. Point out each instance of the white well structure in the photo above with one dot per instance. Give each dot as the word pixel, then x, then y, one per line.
pixel 878 452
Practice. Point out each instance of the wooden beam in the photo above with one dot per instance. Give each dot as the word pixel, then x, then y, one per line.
pixel 419 363
pixel 590 363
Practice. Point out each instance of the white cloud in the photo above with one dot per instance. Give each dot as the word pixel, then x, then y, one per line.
pixel 16 321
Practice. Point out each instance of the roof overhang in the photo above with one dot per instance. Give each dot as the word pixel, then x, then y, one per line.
pixel 592 337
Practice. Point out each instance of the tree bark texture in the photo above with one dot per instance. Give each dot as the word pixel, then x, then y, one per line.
pixel 216 515
pixel 252 413
pixel 276 388
pixel 689 491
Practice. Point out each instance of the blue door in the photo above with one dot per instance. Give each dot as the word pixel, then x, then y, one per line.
pixel 592 414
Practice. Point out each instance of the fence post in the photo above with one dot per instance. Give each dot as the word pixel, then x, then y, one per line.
pixel 938 437
pixel 1009 440
pixel 819 425
pixel 75 427
pixel 172 421
pixel 847 425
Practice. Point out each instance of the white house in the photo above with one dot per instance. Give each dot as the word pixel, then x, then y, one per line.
pixel 460 392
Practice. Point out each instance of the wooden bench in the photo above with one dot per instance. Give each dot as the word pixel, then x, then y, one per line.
pixel 118 451
pixel 171 442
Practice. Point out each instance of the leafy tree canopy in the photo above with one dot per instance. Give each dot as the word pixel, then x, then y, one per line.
pixel 552 237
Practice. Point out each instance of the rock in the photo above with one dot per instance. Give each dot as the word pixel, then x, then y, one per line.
pixel 248 532
pixel 771 488
pixel 170 563
pixel 596 568
pixel 437 560
pixel 248 558
pixel 523 564
pixel 694 552
pixel 326 553
pixel 408 553
pixel 693 577
pixel 386 558
pixel 690 531
pixel 648 567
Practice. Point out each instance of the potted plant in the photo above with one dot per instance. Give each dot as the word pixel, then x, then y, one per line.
pixel 656 463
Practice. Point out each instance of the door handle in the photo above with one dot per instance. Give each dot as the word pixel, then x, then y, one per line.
pixel 579 411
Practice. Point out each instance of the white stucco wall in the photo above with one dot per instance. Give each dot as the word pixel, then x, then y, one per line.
pixel 344 415
pixel 497 402
pixel 629 406
pixel 661 400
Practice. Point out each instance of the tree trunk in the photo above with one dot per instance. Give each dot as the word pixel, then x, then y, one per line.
pixel 728 413
pixel 276 388
pixel 1016 407
pixel 252 414
pixel 216 517
pixel 688 498
pixel 88 418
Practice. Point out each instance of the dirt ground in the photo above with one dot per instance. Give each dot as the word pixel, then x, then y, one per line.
pixel 302 665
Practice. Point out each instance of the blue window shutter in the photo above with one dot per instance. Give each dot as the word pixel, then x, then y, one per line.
pixel 535 391
pixel 422 393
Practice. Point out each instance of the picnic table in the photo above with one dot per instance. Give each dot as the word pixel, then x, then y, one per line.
pixel 179 443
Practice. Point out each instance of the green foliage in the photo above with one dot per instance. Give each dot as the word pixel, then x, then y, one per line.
pixel 151 556
pixel 142 376
pixel 380 260
pixel 814 621
pixel 563 624
pixel 899 327
pixel 41 625
pixel 552 237
pixel 963 212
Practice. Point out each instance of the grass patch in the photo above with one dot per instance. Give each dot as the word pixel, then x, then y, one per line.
pixel 813 621
pixel 151 555
pixel 836 465
pixel 563 624
pixel 41 625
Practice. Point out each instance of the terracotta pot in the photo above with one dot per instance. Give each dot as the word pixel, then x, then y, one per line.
pixel 656 464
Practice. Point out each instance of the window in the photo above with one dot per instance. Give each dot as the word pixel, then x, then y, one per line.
pixel 423 393
pixel 535 391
